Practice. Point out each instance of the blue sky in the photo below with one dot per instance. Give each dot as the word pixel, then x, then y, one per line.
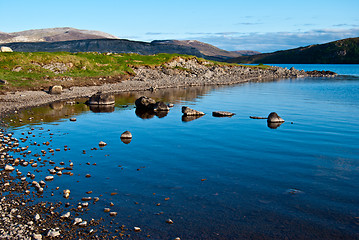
pixel 232 25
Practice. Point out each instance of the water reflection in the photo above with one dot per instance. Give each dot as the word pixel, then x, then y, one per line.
pixel 273 125
pixel 102 108
pixel 150 114
pixel 190 118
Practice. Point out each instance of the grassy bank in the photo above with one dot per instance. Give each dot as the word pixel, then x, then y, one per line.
pixel 36 71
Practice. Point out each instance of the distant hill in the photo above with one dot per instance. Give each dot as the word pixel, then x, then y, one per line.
pixel 342 51
pixel 53 35
pixel 103 45
pixel 206 49
pixel 76 40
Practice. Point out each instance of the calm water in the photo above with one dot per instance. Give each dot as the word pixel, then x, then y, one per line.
pixel 217 178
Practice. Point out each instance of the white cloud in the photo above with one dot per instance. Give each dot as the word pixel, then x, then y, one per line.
pixel 273 41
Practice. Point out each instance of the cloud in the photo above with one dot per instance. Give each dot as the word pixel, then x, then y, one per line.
pixel 158 33
pixel 248 23
pixel 273 41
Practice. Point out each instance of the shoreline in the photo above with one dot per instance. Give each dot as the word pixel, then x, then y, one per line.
pixel 21 223
pixel 175 74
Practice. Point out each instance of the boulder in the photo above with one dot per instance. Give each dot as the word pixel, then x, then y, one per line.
pixel 145 103
pixel 57 89
pixel 5 49
pixel 274 118
pixel 126 134
pixel 148 104
pixel 191 112
pixel 222 114
pixel 101 99
pixel 160 106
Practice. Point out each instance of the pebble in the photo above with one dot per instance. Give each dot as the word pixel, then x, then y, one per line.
pixel 77 221
pixel 66 215
pixel 37 236
pixel 73 119
pixel 102 144
pixel 169 221
pixel 112 214
pixel 137 229
pixel 66 193
pixel 49 178
pixel 9 168
pixel 53 233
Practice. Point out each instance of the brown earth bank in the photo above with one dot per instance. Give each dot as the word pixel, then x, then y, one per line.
pixel 179 72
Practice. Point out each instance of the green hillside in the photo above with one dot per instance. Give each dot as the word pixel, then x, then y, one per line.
pixel 344 51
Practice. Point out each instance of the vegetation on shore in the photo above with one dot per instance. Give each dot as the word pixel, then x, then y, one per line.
pixel 39 70
pixel 344 51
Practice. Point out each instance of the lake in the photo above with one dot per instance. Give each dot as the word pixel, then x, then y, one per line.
pixel 215 178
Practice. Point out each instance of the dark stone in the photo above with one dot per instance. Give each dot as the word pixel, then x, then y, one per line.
pixel 222 114
pixel 101 99
pixel 274 118
pixel 102 108
pixel 160 106
pixel 191 112
pixel 145 103
pixel 274 125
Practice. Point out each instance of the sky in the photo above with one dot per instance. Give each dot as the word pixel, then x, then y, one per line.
pixel 260 25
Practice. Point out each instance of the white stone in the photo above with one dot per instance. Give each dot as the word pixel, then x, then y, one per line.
pixel 66 215
pixel 5 49
pixel 77 221
pixel 9 168
pixel 53 233
pixel 37 236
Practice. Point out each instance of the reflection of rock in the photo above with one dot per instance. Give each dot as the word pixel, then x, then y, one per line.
pixel 274 118
pixel 147 114
pixel 102 108
pixel 222 114
pixel 274 125
pixel 101 99
pixel 190 118
pixel 144 114
pixel 191 112
pixel 57 105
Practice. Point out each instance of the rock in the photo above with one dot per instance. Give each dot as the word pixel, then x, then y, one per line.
pixel 83 224
pixel 112 214
pixel 106 210
pixel 66 193
pixel 137 229
pixel 191 112
pixel 126 135
pixel 77 221
pixel 66 215
pixel 145 103
pixel 73 119
pixel 37 236
pixel 274 118
pixel 49 178
pixel 9 168
pixel 86 198
pixel 222 114
pixel 53 233
pixel 3 82
pixel 57 89
pixel 102 144
pixel 5 49
pixel 37 217
pixel 169 221
pixel 101 99
pixel 160 106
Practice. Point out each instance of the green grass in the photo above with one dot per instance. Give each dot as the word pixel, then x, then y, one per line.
pixel 82 68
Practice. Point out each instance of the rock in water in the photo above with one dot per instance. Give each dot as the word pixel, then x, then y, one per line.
pixel 57 89
pixel 9 168
pixel 101 99
pixel 160 106
pixel 191 112
pixel 274 118
pixel 126 134
pixel 222 114
pixel 145 103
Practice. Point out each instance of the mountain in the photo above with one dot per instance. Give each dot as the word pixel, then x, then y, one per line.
pixel 75 40
pixel 103 46
pixel 341 51
pixel 210 51
pixel 53 35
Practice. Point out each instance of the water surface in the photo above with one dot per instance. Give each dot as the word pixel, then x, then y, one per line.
pixel 216 178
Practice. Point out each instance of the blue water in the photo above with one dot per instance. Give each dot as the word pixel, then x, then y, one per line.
pixel 220 178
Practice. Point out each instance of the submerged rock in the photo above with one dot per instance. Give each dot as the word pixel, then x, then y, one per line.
pixel 274 118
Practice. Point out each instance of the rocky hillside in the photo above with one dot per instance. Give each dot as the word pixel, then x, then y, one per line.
pixel 337 52
pixel 210 51
pixel 75 40
pixel 52 35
